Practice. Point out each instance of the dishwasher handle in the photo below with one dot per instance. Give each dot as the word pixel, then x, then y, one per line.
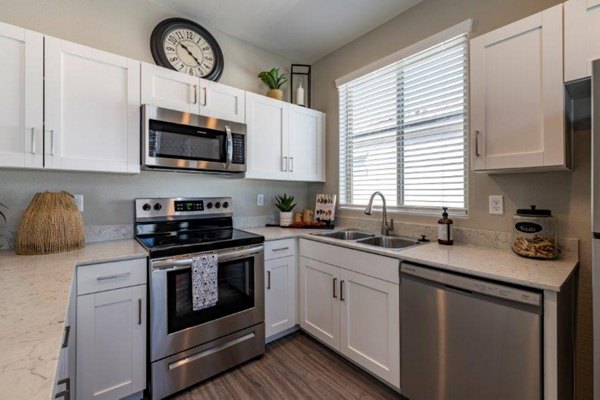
pixel 467 286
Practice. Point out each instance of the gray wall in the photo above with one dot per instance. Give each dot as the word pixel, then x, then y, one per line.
pixel 124 27
pixel 566 193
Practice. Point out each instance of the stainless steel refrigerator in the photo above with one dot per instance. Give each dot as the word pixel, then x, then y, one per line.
pixel 596 221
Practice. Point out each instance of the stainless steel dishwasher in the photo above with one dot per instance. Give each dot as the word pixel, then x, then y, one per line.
pixel 463 338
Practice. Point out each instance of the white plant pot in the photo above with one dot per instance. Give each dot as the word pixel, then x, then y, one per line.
pixel 285 218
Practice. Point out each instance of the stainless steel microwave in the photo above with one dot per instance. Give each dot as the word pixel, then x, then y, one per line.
pixel 174 140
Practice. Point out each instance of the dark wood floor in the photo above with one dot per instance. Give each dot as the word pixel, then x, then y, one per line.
pixel 294 367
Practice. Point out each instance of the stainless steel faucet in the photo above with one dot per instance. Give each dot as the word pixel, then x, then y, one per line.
pixel 385 228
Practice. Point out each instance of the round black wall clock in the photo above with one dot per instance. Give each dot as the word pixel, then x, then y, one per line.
pixel 185 46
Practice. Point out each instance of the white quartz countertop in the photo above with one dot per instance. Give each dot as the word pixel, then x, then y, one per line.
pixel 485 262
pixel 34 297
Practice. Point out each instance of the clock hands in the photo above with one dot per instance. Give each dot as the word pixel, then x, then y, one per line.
pixel 190 53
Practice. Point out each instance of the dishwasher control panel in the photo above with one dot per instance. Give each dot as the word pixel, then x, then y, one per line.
pixel 472 285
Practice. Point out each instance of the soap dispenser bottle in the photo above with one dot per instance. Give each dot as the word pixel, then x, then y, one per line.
pixel 445 229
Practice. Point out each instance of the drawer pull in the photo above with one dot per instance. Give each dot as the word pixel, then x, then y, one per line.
pixel 139 311
pixel 268 279
pixel 342 290
pixel 281 249
pixel 334 282
pixel 107 277
pixel 476 143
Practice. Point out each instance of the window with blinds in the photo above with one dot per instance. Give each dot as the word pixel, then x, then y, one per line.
pixel 403 131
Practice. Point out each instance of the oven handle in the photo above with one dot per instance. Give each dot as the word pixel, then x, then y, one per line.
pixel 224 256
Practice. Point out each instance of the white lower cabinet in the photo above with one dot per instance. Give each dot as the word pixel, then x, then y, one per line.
pixel 111 334
pixel 280 297
pixel 280 287
pixel 370 324
pixel 352 312
pixel 319 305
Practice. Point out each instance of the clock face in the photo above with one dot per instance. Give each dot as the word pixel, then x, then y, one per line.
pixel 189 52
pixel 187 47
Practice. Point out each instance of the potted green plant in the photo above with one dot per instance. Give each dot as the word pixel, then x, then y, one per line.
pixel 275 81
pixel 285 204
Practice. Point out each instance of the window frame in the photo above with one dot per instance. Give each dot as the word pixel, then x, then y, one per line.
pixel 461 29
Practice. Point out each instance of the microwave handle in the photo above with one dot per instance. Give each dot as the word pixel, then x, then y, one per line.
pixel 229 148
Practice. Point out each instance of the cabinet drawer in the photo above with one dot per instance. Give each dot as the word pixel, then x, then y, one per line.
pixel 280 248
pixel 112 275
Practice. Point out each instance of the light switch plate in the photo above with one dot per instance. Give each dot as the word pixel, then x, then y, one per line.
pixel 260 200
pixel 497 205
pixel 79 201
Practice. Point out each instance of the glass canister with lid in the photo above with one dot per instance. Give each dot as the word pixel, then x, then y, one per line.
pixel 535 233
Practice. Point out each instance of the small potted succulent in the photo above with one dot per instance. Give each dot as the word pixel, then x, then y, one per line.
pixel 275 81
pixel 285 204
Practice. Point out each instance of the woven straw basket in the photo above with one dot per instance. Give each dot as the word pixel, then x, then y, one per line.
pixel 51 224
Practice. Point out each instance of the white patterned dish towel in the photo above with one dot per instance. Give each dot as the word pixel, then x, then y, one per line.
pixel 205 283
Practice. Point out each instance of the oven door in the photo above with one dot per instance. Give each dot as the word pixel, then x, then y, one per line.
pixel 175 327
pixel 185 141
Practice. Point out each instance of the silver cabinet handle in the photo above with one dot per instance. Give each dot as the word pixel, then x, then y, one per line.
pixel 342 290
pixel 107 277
pixel 334 282
pixel 284 161
pixel 195 94
pixel 281 249
pixel 139 311
pixel 32 140
pixel 477 143
pixel 205 96
pixel 291 164
pixel 269 280
pixel 51 142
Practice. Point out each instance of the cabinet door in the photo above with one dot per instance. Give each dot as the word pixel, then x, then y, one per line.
pixel 166 88
pixel 373 303
pixel 22 97
pixel 582 37
pixel 92 109
pixel 222 101
pixel 517 95
pixel 319 304
pixel 306 147
pixel 267 121
pixel 280 296
pixel 111 343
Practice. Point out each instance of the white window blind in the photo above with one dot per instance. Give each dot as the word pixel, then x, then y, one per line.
pixel 403 131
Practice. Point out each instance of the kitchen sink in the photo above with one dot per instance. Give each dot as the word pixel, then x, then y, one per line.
pixel 389 242
pixel 346 235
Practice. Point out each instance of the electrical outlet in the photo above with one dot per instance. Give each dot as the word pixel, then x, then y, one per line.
pixel 260 200
pixel 79 201
pixel 497 205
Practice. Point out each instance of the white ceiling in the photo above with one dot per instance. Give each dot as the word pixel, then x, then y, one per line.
pixel 301 30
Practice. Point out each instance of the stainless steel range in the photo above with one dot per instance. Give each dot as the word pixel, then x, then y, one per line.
pixel 188 346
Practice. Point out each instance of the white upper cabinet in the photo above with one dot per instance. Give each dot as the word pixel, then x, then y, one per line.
pixel 517 96
pixel 267 135
pixel 285 141
pixel 21 97
pixel 222 101
pixel 166 88
pixel 306 145
pixel 582 37
pixel 92 101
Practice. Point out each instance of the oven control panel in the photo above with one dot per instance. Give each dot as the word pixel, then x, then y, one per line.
pixel 166 208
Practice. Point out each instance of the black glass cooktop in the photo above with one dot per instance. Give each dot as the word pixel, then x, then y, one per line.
pixel 161 243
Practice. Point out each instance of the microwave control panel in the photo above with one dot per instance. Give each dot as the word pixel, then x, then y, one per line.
pixel 239 149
